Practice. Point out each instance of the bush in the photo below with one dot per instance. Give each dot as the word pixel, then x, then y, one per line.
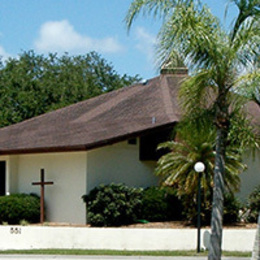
pixel 231 209
pixel 190 208
pixel 113 205
pixel 230 214
pixel 253 207
pixel 161 204
pixel 117 204
pixel 17 207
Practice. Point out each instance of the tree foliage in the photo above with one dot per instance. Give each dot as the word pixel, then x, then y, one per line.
pixel 33 84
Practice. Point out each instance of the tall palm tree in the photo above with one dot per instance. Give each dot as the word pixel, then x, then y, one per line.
pixel 218 61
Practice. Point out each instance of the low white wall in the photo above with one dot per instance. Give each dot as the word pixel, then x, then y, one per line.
pixel 28 237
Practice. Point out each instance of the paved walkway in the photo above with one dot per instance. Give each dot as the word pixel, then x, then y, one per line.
pixel 69 257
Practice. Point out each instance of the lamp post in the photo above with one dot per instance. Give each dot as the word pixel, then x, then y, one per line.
pixel 199 167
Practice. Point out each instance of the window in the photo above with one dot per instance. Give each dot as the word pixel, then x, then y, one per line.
pixel 132 141
pixel 149 143
pixel 2 177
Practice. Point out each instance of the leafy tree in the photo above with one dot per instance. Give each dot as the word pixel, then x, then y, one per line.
pixel 218 61
pixel 34 84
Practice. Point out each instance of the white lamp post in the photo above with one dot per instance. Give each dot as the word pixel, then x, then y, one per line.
pixel 199 167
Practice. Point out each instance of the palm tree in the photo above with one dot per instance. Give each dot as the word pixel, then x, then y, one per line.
pixel 217 59
pixel 176 168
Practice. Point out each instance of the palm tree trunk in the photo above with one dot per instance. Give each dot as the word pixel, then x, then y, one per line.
pixel 218 201
pixel 222 122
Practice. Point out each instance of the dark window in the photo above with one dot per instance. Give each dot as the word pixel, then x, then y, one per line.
pixel 2 178
pixel 149 143
pixel 132 141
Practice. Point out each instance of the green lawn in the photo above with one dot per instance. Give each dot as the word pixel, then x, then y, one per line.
pixel 116 252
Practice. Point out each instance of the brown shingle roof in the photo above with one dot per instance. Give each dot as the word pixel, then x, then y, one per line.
pixel 108 118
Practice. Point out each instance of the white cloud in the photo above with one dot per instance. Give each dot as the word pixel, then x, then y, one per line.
pixel 146 43
pixel 60 36
pixel 3 54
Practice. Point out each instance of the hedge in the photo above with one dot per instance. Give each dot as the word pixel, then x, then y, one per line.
pixel 17 207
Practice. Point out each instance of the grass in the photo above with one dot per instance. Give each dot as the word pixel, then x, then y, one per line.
pixel 118 253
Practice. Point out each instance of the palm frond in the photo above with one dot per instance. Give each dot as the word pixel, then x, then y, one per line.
pixel 193 32
pixel 247 9
pixel 245 45
pixel 158 8
pixel 172 145
pixel 242 134
pixel 198 92
pixel 248 84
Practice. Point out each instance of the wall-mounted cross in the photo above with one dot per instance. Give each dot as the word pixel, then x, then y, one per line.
pixel 42 183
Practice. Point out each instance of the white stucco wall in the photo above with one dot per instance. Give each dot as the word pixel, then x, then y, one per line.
pixel 119 163
pixel 67 171
pixel 251 177
pixel 12 173
pixel 31 237
pixel 75 174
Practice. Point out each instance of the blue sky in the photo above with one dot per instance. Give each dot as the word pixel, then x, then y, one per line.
pixel 80 26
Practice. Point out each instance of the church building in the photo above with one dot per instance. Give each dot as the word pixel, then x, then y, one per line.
pixel 109 138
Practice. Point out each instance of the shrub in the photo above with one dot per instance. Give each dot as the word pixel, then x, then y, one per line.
pixel 113 205
pixel 231 209
pixel 190 208
pixel 253 207
pixel 230 214
pixel 19 207
pixel 161 204
pixel 117 204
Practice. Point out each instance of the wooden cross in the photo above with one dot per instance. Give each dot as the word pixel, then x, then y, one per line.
pixel 42 183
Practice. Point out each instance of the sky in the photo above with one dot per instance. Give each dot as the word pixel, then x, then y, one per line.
pixel 81 26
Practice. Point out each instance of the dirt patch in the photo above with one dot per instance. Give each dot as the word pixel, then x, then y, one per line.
pixel 162 225
pixel 181 224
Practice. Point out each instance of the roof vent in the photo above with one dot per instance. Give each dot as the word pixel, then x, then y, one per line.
pixel 174 66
